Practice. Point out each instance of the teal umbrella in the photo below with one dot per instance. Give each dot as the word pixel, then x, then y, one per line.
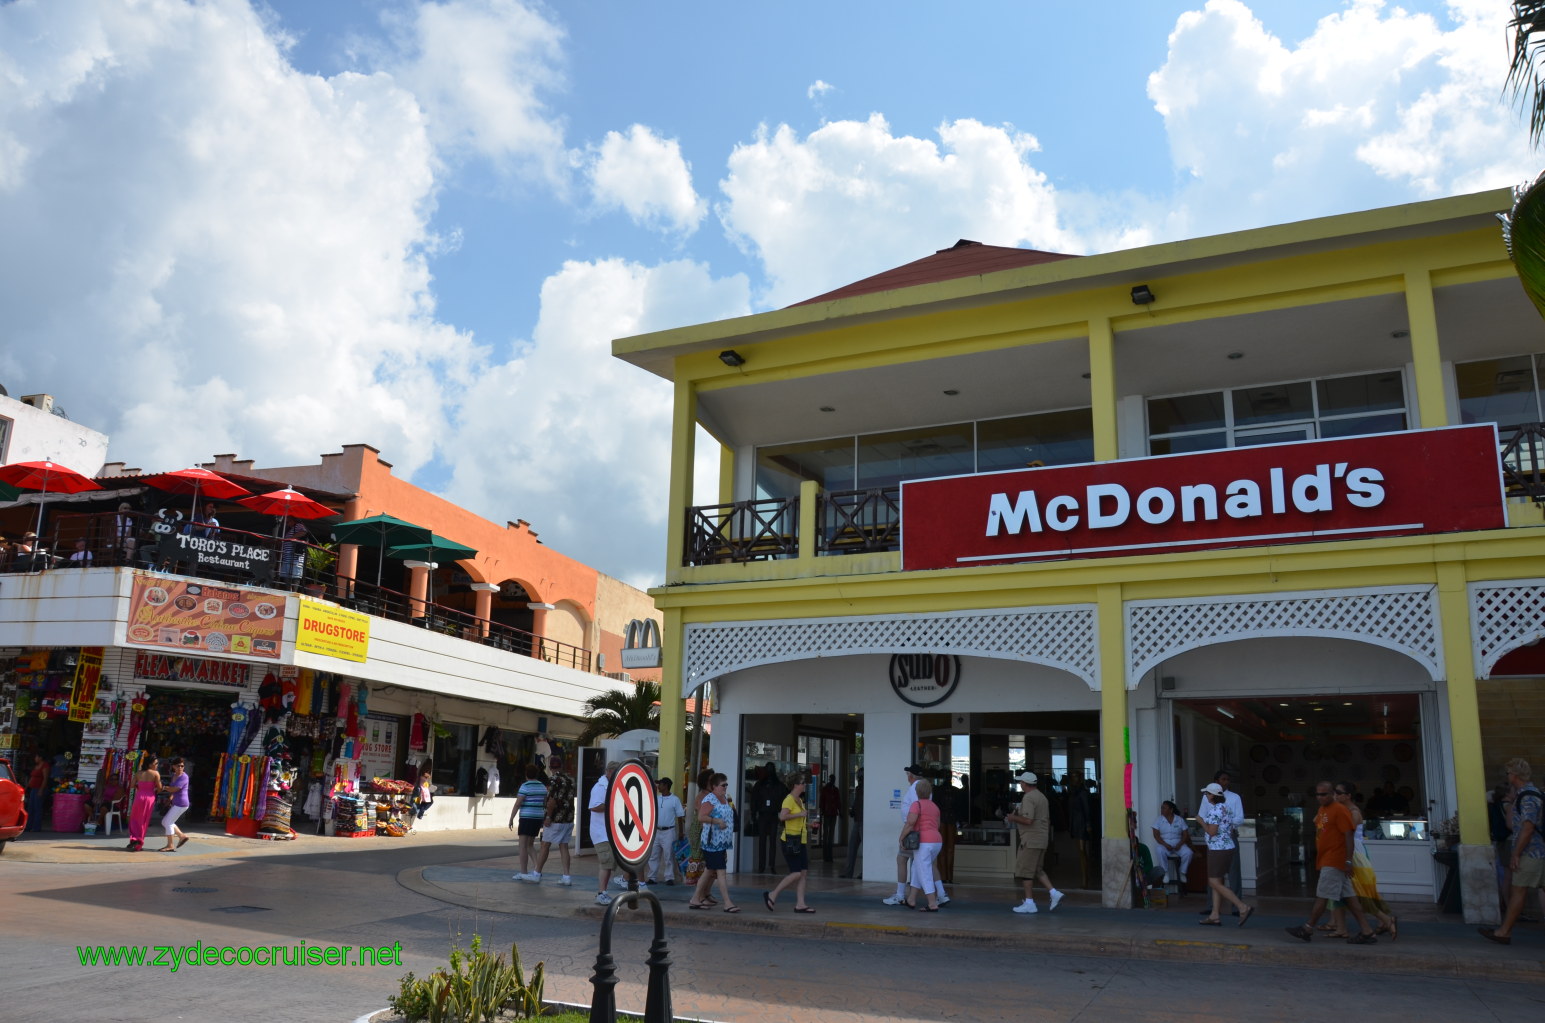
pixel 435 549
pixel 381 531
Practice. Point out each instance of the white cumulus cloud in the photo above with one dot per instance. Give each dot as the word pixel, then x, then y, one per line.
pixel 576 442
pixel 647 177
pixel 852 198
pixel 209 250
pixel 1378 105
pixel 818 88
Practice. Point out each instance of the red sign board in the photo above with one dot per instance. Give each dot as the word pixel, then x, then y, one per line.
pixel 1392 484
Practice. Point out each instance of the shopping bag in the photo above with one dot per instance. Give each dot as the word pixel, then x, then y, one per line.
pixel 681 853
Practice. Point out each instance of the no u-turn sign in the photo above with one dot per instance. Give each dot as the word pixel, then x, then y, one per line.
pixel 630 815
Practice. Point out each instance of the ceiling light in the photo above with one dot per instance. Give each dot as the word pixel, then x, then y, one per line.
pixel 1236 355
pixel 731 358
pixel 1142 294
pixel 951 392
pixel 1400 333
pixel 1224 711
pixel 827 408
pixel 1282 705
pixel 1319 708
pixel 1085 375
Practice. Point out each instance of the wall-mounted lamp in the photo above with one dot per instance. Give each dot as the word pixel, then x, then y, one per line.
pixel 731 358
pixel 1141 295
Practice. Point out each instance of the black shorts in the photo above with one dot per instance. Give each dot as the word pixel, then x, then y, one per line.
pixel 529 827
pixel 798 856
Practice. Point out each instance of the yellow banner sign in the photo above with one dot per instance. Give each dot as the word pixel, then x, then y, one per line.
pixel 88 674
pixel 327 629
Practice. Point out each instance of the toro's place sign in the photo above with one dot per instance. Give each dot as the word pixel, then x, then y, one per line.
pixel 1422 481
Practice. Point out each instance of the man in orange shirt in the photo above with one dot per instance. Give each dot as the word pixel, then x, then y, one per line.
pixel 1333 836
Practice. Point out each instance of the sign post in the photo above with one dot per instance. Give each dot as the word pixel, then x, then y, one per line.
pixel 630 827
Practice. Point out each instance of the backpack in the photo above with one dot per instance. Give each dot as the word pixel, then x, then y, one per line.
pixel 1537 794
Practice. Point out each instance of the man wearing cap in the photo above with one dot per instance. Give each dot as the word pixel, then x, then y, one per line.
pixel 904 856
pixel 1034 819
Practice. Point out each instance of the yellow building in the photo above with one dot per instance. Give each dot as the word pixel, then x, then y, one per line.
pixel 1193 507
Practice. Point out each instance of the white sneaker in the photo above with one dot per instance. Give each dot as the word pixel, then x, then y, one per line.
pixel 944 900
pixel 894 900
pixel 602 899
pixel 644 887
pixel 619 882
pixel 534 877
pixel 566 881
pixel 1026 907
pixel 1056 897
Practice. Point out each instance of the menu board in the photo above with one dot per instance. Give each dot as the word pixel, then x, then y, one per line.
pixel 166 612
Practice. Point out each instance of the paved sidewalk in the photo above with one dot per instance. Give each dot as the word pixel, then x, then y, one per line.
pixel 1430 943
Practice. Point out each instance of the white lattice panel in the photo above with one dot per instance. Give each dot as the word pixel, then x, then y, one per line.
pixel 1503 617
pixel 1060 637
pixel 1404 619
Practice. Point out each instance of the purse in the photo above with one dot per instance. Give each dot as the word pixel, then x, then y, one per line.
pixel 912 840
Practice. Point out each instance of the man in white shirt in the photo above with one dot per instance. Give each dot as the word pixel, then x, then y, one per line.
pixel 606 862
pixel 1172 837
pixel 670 818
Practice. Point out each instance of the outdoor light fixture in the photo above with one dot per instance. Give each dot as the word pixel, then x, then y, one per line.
pixel 1142 294
pixel 731 358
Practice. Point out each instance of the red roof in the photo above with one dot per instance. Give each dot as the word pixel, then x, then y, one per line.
pixel 965 258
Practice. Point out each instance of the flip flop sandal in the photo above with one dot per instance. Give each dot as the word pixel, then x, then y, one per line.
pixel 1210 923
pixel 1247 914
pixel 767 900
pixel 696 905
pixel 929 909
pixel 732 909
pixel 182 841
pixel 803 909
pixel 166 850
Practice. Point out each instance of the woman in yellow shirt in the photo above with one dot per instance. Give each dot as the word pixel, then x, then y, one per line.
pixel 795 835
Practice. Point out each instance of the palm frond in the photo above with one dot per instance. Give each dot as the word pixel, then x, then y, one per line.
pixel 1523 228
pixel 1525 84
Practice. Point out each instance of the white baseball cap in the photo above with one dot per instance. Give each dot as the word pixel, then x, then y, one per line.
pixel 1214 789
pixel 1027 777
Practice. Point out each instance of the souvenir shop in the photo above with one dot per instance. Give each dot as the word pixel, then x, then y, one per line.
pixel 36 687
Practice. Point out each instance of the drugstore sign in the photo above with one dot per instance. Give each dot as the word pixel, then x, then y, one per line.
pixel 1422 481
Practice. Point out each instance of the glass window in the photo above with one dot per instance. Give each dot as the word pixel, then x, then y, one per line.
pixel 1186 412
pixel 455 757
pixel 1189 442
pixel 1501 391
pixel 1278 403
pixel 1358 426
pixel 1373 392
pixel 781 468
pixel 885 459
pixel 1050 438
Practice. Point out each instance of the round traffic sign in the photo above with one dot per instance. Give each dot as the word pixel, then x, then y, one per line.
pixel 630 815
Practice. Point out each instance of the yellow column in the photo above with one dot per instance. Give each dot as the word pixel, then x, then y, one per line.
pixel 726 474
pixel 1116 852
pixel 1477 857
pixel 1422 316
pixel 1102 390
pixel 673 754
pixel 683 451
pixel 809 497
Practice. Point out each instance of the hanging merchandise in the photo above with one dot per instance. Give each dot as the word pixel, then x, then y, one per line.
pixel 271 697
pixel 418 734
pixel 137 706
pixel 303 691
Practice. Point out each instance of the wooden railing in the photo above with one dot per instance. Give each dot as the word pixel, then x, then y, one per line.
pixel 743 531
pixel 859 521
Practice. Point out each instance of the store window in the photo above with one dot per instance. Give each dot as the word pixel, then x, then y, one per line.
pixel 1501 391
pixel 1276 413
pixel 885 459
pixel 456 758
pixel 781 468
pixel 1047 438
pixel 5 440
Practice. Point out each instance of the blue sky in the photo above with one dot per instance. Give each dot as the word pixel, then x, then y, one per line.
pixel 274 230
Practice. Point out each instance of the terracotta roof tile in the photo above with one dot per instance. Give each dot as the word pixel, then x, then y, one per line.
pixel 965 258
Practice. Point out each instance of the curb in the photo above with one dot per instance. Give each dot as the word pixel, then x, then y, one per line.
pixel 1386 959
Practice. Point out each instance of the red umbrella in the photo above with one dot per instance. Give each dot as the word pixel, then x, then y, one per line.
pixel 287 503
pixel 48 477
pixel 197 482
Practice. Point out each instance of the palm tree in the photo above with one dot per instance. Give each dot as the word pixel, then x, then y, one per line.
pixel 1523 227
pixel 617 711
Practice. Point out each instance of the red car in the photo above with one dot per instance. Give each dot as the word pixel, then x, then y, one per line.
pixel 13 805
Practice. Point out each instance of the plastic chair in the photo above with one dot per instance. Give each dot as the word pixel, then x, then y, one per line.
pixel 108 820
pixel 1173 875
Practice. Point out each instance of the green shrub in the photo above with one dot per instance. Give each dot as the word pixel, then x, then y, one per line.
pixel 474 989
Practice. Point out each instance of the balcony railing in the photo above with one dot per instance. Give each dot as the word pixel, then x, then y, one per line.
pixel 864 521
pixel 127 539
pixel 743 531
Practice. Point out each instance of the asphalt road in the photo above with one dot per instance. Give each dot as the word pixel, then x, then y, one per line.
pixel 333 895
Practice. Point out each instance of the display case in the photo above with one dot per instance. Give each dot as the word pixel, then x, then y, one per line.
pixel 985 855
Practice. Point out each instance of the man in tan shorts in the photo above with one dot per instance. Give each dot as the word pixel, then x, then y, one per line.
pixel 1034 820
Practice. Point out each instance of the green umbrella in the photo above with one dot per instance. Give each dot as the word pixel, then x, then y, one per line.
pixel 381 531
pixel 433 550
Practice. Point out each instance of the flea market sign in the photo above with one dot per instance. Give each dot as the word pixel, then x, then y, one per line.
pixel 1420 481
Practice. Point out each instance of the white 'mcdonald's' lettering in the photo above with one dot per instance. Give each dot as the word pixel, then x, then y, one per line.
pixel 1108 505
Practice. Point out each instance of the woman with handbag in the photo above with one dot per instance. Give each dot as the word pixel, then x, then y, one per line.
pixel 920 832
pixel 718 819
pixel 794 834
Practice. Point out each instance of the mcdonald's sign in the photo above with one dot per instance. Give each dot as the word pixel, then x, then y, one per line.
pixel 641 644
